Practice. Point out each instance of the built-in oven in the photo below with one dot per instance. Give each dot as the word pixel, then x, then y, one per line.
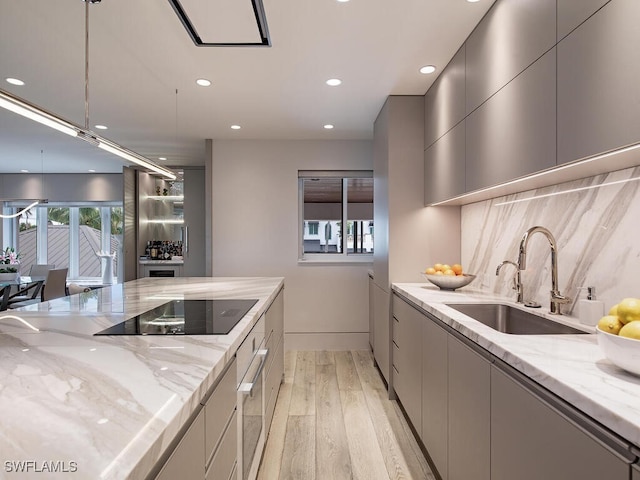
pixel 252 356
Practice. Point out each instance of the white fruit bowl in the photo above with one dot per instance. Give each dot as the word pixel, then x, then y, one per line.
pixel 621 351
pixel 450 282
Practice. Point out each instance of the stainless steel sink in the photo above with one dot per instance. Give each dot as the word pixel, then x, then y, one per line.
pixel 507 319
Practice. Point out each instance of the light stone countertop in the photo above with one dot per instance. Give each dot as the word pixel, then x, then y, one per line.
pixel 571 366
pixel 112 404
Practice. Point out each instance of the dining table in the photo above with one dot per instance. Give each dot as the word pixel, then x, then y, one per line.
pixel 25 284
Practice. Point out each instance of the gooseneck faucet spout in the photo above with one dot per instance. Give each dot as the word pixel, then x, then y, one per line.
pixel 556 298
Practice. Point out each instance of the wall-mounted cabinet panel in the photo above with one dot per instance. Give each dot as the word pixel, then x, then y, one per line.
pixel 512 35
pixel 598 94
pixel 444 166
pixel 514 133
pixel 444 104
pixel 572 13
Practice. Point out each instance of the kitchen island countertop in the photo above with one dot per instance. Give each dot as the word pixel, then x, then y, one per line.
pixel 571 366
pixel 109 407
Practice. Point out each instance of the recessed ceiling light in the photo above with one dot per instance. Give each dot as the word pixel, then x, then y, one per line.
pixel 334 82
pixel 14 81
pixel 24 171
pixel 235 127
pixel 428 69
pixel 162 158
pixel 328 126
pixel 203 82
pixel 343 1
pixel 101 127
pixel 473 1
pixel 91 170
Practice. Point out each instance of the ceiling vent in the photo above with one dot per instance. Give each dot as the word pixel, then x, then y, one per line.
pixel 224 23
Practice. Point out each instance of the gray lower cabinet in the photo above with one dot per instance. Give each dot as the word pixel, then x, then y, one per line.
pixel 532 441
pixel 483 420
pixel 209 447
pixel 381 328
pixel 274 326
pixel 598 94
pixel 274 365
pixel 469 413
pixel 435 397
pixel 444 166
pixel 407 367
pixel 224 462
pixel 444 103
pixel 572 13
pixel 188 458
pixel 512 35
pixel 371 310
pixel 514 132
pixel 219 409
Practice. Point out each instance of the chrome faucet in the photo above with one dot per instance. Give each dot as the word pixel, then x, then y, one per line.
pixel 556 298
pixel 517 280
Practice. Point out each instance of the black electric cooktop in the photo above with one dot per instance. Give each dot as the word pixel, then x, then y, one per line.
pixel 185 317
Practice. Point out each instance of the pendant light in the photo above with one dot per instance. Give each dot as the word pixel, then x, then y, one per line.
pixel 33 112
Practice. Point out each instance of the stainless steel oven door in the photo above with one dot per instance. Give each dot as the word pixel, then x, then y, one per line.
pixel 251 417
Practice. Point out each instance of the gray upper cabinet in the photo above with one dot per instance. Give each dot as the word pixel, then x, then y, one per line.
pixel 444 165
pixel 514 133
pixel 444 104
pixel 572 13
pixel 513 34
pixel 598 94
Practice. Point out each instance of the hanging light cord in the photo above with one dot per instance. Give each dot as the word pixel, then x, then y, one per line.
pixel 86 65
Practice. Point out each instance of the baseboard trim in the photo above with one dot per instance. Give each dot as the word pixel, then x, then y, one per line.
pixel 326 341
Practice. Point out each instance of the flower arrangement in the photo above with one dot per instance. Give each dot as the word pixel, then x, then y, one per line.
pixel 9 260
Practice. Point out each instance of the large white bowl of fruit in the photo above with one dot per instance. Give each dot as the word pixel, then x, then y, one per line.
pixel 448 277
pixel 619 335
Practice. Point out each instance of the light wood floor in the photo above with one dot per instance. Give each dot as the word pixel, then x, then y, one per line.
pixel 333 420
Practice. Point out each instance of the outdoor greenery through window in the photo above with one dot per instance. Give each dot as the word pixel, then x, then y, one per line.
pixel 329 200
pixel 65 235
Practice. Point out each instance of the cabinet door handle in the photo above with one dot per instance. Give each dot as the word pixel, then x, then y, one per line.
pixel 186 239
pixel 247 388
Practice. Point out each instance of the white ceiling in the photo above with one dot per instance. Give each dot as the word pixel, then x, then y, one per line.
pixel 140 55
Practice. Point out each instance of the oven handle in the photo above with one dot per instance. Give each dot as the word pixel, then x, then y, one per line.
pixel 247 388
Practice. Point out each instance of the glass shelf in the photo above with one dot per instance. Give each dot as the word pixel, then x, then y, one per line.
pixel 167 198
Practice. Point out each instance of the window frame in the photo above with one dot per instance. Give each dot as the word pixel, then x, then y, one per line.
pixel 11 231
pixel 343 257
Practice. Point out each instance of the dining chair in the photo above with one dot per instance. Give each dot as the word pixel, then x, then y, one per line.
pixel 30 291
pixel 40 269
pixel 55 286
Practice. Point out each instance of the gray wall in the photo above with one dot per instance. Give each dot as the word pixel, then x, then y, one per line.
pixel 255 233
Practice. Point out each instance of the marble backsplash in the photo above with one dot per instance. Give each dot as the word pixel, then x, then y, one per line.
pixel 596 224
